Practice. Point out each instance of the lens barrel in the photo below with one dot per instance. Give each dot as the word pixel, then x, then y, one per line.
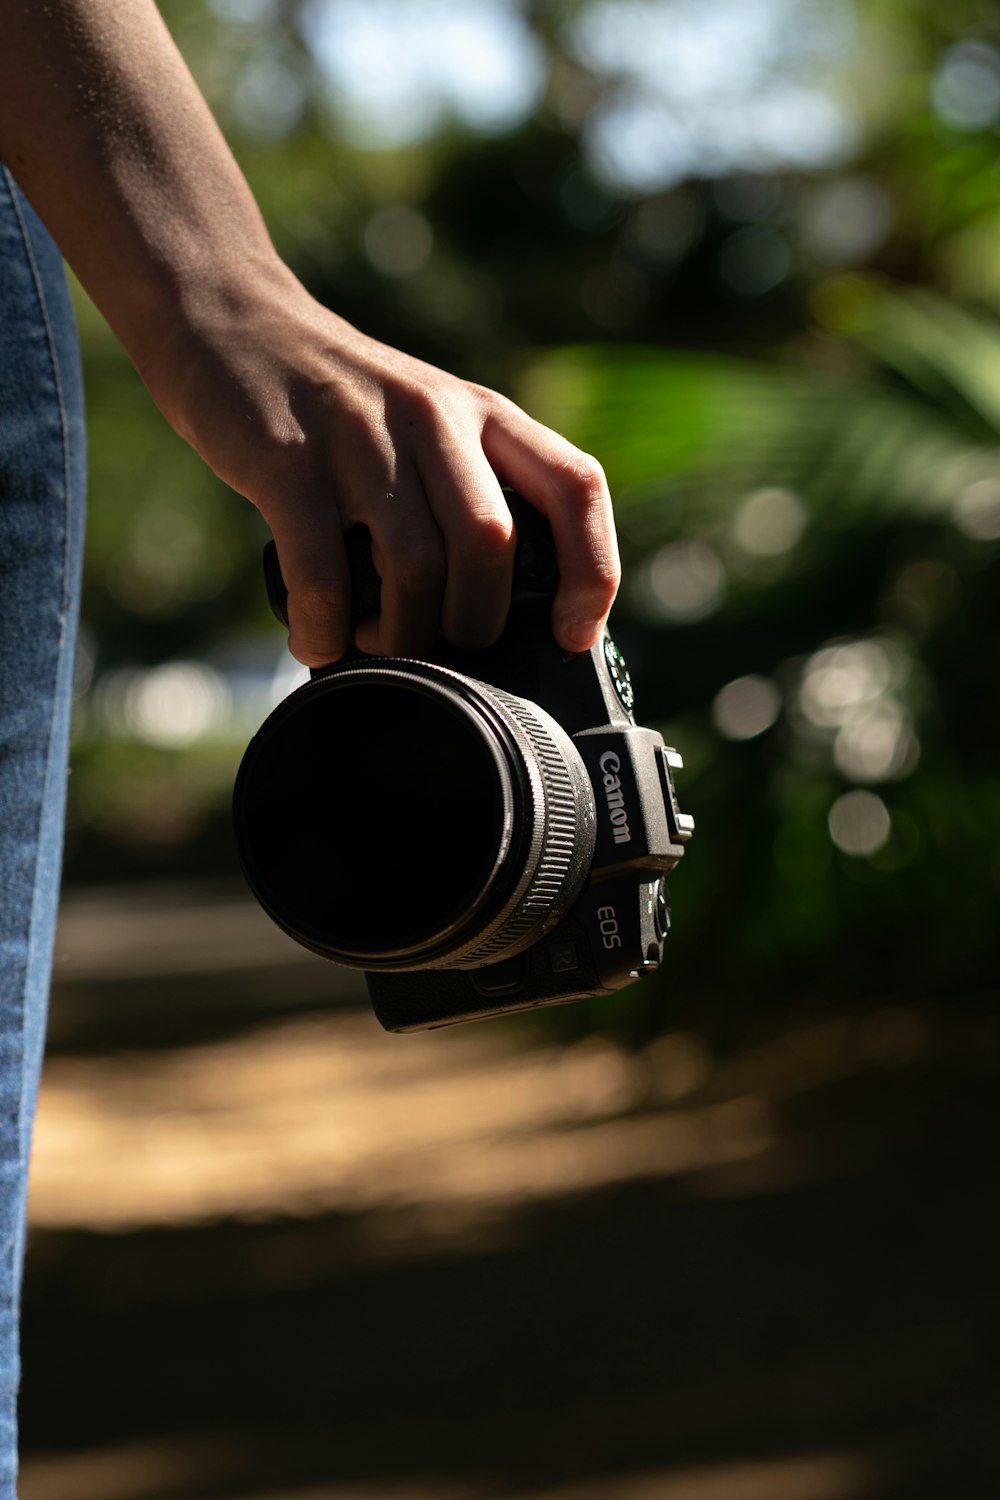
pixel 396 815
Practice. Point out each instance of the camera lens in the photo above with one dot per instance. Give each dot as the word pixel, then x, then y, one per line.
pixel 398 815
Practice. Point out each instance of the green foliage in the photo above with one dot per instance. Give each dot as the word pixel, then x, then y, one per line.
pixel 895 465
pixel 792 377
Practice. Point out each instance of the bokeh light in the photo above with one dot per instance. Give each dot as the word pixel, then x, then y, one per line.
pixel 976 510
pixel 850 695
pixel 396 70
pixel 842 680
pixel 681 583
pixel 398 240
pixel 269 98
pixel 170 706
pixel 710 90
pixel 846 220
pixel 965 89
pixel 878 744
pixel 769 522
pixel 746 707
pixel 859 823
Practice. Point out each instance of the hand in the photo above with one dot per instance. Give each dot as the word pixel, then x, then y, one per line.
pixel 318 425
pixel 322 427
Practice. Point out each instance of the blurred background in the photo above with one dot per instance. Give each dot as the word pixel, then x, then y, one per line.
pixel 724 1237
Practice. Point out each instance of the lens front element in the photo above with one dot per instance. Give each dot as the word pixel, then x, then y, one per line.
pixel 397 815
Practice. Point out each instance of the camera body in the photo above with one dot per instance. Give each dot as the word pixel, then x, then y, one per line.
pixel 588 827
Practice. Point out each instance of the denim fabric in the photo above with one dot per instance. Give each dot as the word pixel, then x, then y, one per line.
pixel 42 476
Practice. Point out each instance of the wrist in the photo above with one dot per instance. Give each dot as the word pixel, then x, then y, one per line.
pixel 182 288
pixel 201 308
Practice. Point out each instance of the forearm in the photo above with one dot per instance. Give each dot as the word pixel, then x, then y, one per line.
pixel 110 138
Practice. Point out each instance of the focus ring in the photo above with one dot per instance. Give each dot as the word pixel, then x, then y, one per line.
pixel 561 855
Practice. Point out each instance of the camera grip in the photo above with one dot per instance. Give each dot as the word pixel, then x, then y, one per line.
pixel 535 577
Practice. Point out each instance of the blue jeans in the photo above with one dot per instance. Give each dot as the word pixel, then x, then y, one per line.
pixel 42 479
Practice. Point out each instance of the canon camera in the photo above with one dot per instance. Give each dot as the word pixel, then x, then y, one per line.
pixel 480 831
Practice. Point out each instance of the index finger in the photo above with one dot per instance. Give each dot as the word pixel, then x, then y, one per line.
pixel 570 489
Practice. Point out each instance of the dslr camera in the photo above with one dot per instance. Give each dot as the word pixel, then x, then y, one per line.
pixel 480 831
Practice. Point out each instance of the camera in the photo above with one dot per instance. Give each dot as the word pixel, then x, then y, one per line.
pixel 480 831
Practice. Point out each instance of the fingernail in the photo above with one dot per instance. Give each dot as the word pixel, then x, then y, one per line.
pixel 582 634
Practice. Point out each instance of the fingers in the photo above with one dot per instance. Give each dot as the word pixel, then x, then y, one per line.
pixel 314 566
pixel 568 487
pixel 444 550
pixel 409 555
pixel 478 534
pixel 407 551
pixel 419 469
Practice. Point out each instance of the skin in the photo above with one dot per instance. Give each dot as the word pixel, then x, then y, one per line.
pixel 318 425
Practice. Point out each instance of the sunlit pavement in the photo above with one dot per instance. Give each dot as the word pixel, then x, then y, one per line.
pixel 126 1476
pixel 277 1253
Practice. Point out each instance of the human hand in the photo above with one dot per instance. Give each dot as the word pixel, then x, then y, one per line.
pixel 322 427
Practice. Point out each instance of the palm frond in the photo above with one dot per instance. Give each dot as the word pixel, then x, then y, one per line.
pixel 704 430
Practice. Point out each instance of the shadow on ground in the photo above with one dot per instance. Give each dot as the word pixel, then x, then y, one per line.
pixel 813 1317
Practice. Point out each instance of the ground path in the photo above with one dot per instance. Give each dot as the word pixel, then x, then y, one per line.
pixel 279 1255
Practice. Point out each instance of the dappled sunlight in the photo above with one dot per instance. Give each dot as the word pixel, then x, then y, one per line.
pixel 138 1471
pixel 726 1236
pixel 324 1114
pixel 329 1114
pixel 322 1262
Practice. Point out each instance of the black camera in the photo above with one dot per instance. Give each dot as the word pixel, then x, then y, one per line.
pixel 480 831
